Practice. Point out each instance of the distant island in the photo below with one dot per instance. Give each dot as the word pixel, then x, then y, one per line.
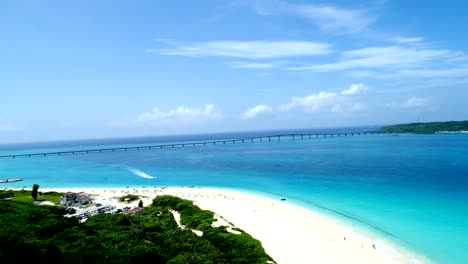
pixel 427 128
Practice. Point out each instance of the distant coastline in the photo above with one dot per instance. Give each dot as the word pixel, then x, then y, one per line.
pixel 449 127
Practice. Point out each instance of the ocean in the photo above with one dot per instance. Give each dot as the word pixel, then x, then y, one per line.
pixel 411 190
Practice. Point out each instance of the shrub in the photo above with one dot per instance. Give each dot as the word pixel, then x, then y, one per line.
pixel 132 197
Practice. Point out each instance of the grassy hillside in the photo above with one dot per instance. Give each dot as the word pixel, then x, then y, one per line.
pixel 25 196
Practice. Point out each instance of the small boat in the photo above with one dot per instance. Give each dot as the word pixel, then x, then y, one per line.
pixel 11 180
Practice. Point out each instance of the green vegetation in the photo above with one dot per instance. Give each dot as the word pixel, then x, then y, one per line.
pixel 26 196
pixel 41 234
pixel 35 191
pixel 425 128
pixel 238 229
pixel 240 248
pixel 191 215
pixel 131 197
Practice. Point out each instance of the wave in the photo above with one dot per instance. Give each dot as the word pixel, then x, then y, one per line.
pixel 140 173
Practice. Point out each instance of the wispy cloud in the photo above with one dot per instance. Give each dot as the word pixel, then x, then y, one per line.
pixel 256 110
pixel 253 65
pixel 333 101
pixel 381 57
pixel 399 61
pixel 181 114
pixel 407 39
pixel 339 108
pixel 328 17
pixel 461 71
pixel 413 102
pixel 260 49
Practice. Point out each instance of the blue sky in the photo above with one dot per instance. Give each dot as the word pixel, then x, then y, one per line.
pixel 94 69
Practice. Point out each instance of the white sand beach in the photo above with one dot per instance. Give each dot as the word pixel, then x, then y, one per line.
pixel 289 233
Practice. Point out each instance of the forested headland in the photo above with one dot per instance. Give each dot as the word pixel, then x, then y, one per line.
pixel 426 128
pixel 31 233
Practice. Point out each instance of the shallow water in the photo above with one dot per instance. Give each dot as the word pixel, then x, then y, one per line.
pixel 410 189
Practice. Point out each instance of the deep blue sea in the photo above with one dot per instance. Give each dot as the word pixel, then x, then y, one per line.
pixel 409 189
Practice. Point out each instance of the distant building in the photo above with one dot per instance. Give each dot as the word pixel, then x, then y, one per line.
pixel 82 199
pixel 71 198
pixel 135 211
pixel 68 198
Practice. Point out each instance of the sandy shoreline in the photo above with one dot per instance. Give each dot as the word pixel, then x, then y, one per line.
pixel 289 233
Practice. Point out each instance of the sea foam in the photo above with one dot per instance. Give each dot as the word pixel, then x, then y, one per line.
pixel 140 173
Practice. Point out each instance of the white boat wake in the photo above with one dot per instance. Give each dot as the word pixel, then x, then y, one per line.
pixel 140 173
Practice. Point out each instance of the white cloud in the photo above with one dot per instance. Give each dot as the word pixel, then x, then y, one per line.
pixel 331 18
pixel 256 110
pixel 311 103
pixel 332 101
pixel 337 108
pixel 407 39
pixel 246 49
pixel 181 114
pixel 355 89
pixel 416 102
pixel 413 102
pixel 328 17
pixel 358 107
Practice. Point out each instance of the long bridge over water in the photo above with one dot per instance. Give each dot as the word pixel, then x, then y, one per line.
pixel 267 138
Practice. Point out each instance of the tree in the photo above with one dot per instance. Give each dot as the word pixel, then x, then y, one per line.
pixel 140 204
pixel 34 191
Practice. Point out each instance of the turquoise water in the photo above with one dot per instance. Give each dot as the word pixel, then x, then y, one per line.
pixel 410 189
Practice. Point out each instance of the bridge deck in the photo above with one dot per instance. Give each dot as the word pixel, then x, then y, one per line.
pixel 184 144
